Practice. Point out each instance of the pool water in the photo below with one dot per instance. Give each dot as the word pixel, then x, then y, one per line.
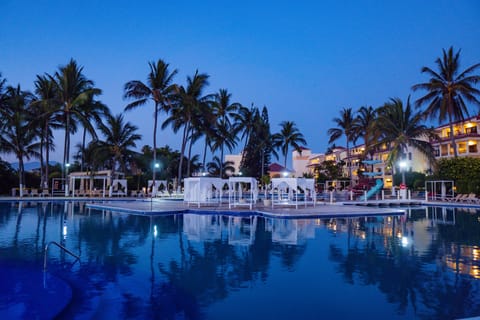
pixel 424 265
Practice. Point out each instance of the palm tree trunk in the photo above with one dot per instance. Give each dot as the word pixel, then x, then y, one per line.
pixel 154 147
pixel 221 161
pixel 47 159
pixel 189 157
pixel 349 164
pixel 205 153
pixel 42 163
pixel 182 151
pixel 65 146
pixel 21 177
pixel 83 148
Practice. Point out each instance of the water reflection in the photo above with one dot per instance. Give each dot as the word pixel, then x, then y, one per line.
pixel 422 265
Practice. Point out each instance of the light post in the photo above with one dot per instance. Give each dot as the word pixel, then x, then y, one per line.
pixel 156 165
pixel 67 165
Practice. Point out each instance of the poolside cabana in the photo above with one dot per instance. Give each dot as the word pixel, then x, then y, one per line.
pixel 242 191
pixel 292 191
pixel 160 187
pixel 203 190
pixel 439 190
pixel 118 188
pixel 88 183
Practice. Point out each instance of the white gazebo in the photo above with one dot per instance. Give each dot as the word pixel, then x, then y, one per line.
pixel 292 191
pixel 203 190
pixel 118 188
pixel 242 191
pixel 158 187
pixel 88 183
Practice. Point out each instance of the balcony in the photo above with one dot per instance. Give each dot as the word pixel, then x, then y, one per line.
pixel 457 137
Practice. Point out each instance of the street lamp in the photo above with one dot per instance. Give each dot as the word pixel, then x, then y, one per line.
pixel 156 165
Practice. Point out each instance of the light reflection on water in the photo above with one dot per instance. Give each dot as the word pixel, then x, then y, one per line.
pixel 422 265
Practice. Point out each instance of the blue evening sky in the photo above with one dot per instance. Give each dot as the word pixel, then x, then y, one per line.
pixel 304 60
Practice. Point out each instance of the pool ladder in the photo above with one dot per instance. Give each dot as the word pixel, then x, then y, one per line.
pixel 61 247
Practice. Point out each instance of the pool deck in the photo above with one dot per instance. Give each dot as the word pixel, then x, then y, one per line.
pixel 156 207
pixel 159 206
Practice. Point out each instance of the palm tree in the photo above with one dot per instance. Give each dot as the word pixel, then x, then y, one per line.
pixel 46 109
pixel 401 127
pixel 93 111
pixel 159 88
pixel 289 135
pixel 244 122
pixel 18 137
pixel 364 127
pixel 188 105
pixel 120 136
pixel 74 91
pixel 448 90
pixel 346 124
pixel 216 166
pixel 225 111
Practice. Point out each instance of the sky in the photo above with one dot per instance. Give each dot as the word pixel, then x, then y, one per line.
pixel 304 60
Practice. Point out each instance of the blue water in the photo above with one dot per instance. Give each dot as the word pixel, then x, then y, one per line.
pixel 425 265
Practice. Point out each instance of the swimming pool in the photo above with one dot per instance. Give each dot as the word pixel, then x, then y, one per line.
pixel 422 265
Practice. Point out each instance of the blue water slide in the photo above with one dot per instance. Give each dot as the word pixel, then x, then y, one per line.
pixel 377 187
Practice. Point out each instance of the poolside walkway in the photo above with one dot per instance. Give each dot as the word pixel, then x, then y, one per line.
pixel 159 206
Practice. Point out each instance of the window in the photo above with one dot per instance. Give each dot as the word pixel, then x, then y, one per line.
pixel 472 148
pixel 444 150
pixel 409 156
pixel 471 130
pixel 462 147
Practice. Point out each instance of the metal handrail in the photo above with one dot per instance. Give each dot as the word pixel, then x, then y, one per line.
pixel 61 247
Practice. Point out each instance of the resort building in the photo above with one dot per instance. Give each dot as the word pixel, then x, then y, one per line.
pixel 466 136
pixel 467 139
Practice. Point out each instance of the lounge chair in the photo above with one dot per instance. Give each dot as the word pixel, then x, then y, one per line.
pixel 471 198
pixel 34 193
pixel 45 193
pixel 455 199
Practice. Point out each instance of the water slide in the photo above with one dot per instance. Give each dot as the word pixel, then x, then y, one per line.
pixel 377 187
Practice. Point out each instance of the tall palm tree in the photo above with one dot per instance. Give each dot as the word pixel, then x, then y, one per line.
pixel 18 137
pixel 120 137
pixel 188 105
pixel 46 109
pixel 225 110
pixel 216 166
pixel 93 112
pixel 74 91
pixel 448 90
pixel 159 88
pixel 289 136
pixel 244 123
pixel 401 127
pixel 346 124
pixel 364 127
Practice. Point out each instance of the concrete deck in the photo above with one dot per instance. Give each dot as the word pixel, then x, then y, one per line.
pixel 156 207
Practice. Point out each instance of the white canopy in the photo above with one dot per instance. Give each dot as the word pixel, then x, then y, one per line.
pixel 118 188
pixel 203 190
pixel 295 187
pixel 242 191
pixel 158 185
